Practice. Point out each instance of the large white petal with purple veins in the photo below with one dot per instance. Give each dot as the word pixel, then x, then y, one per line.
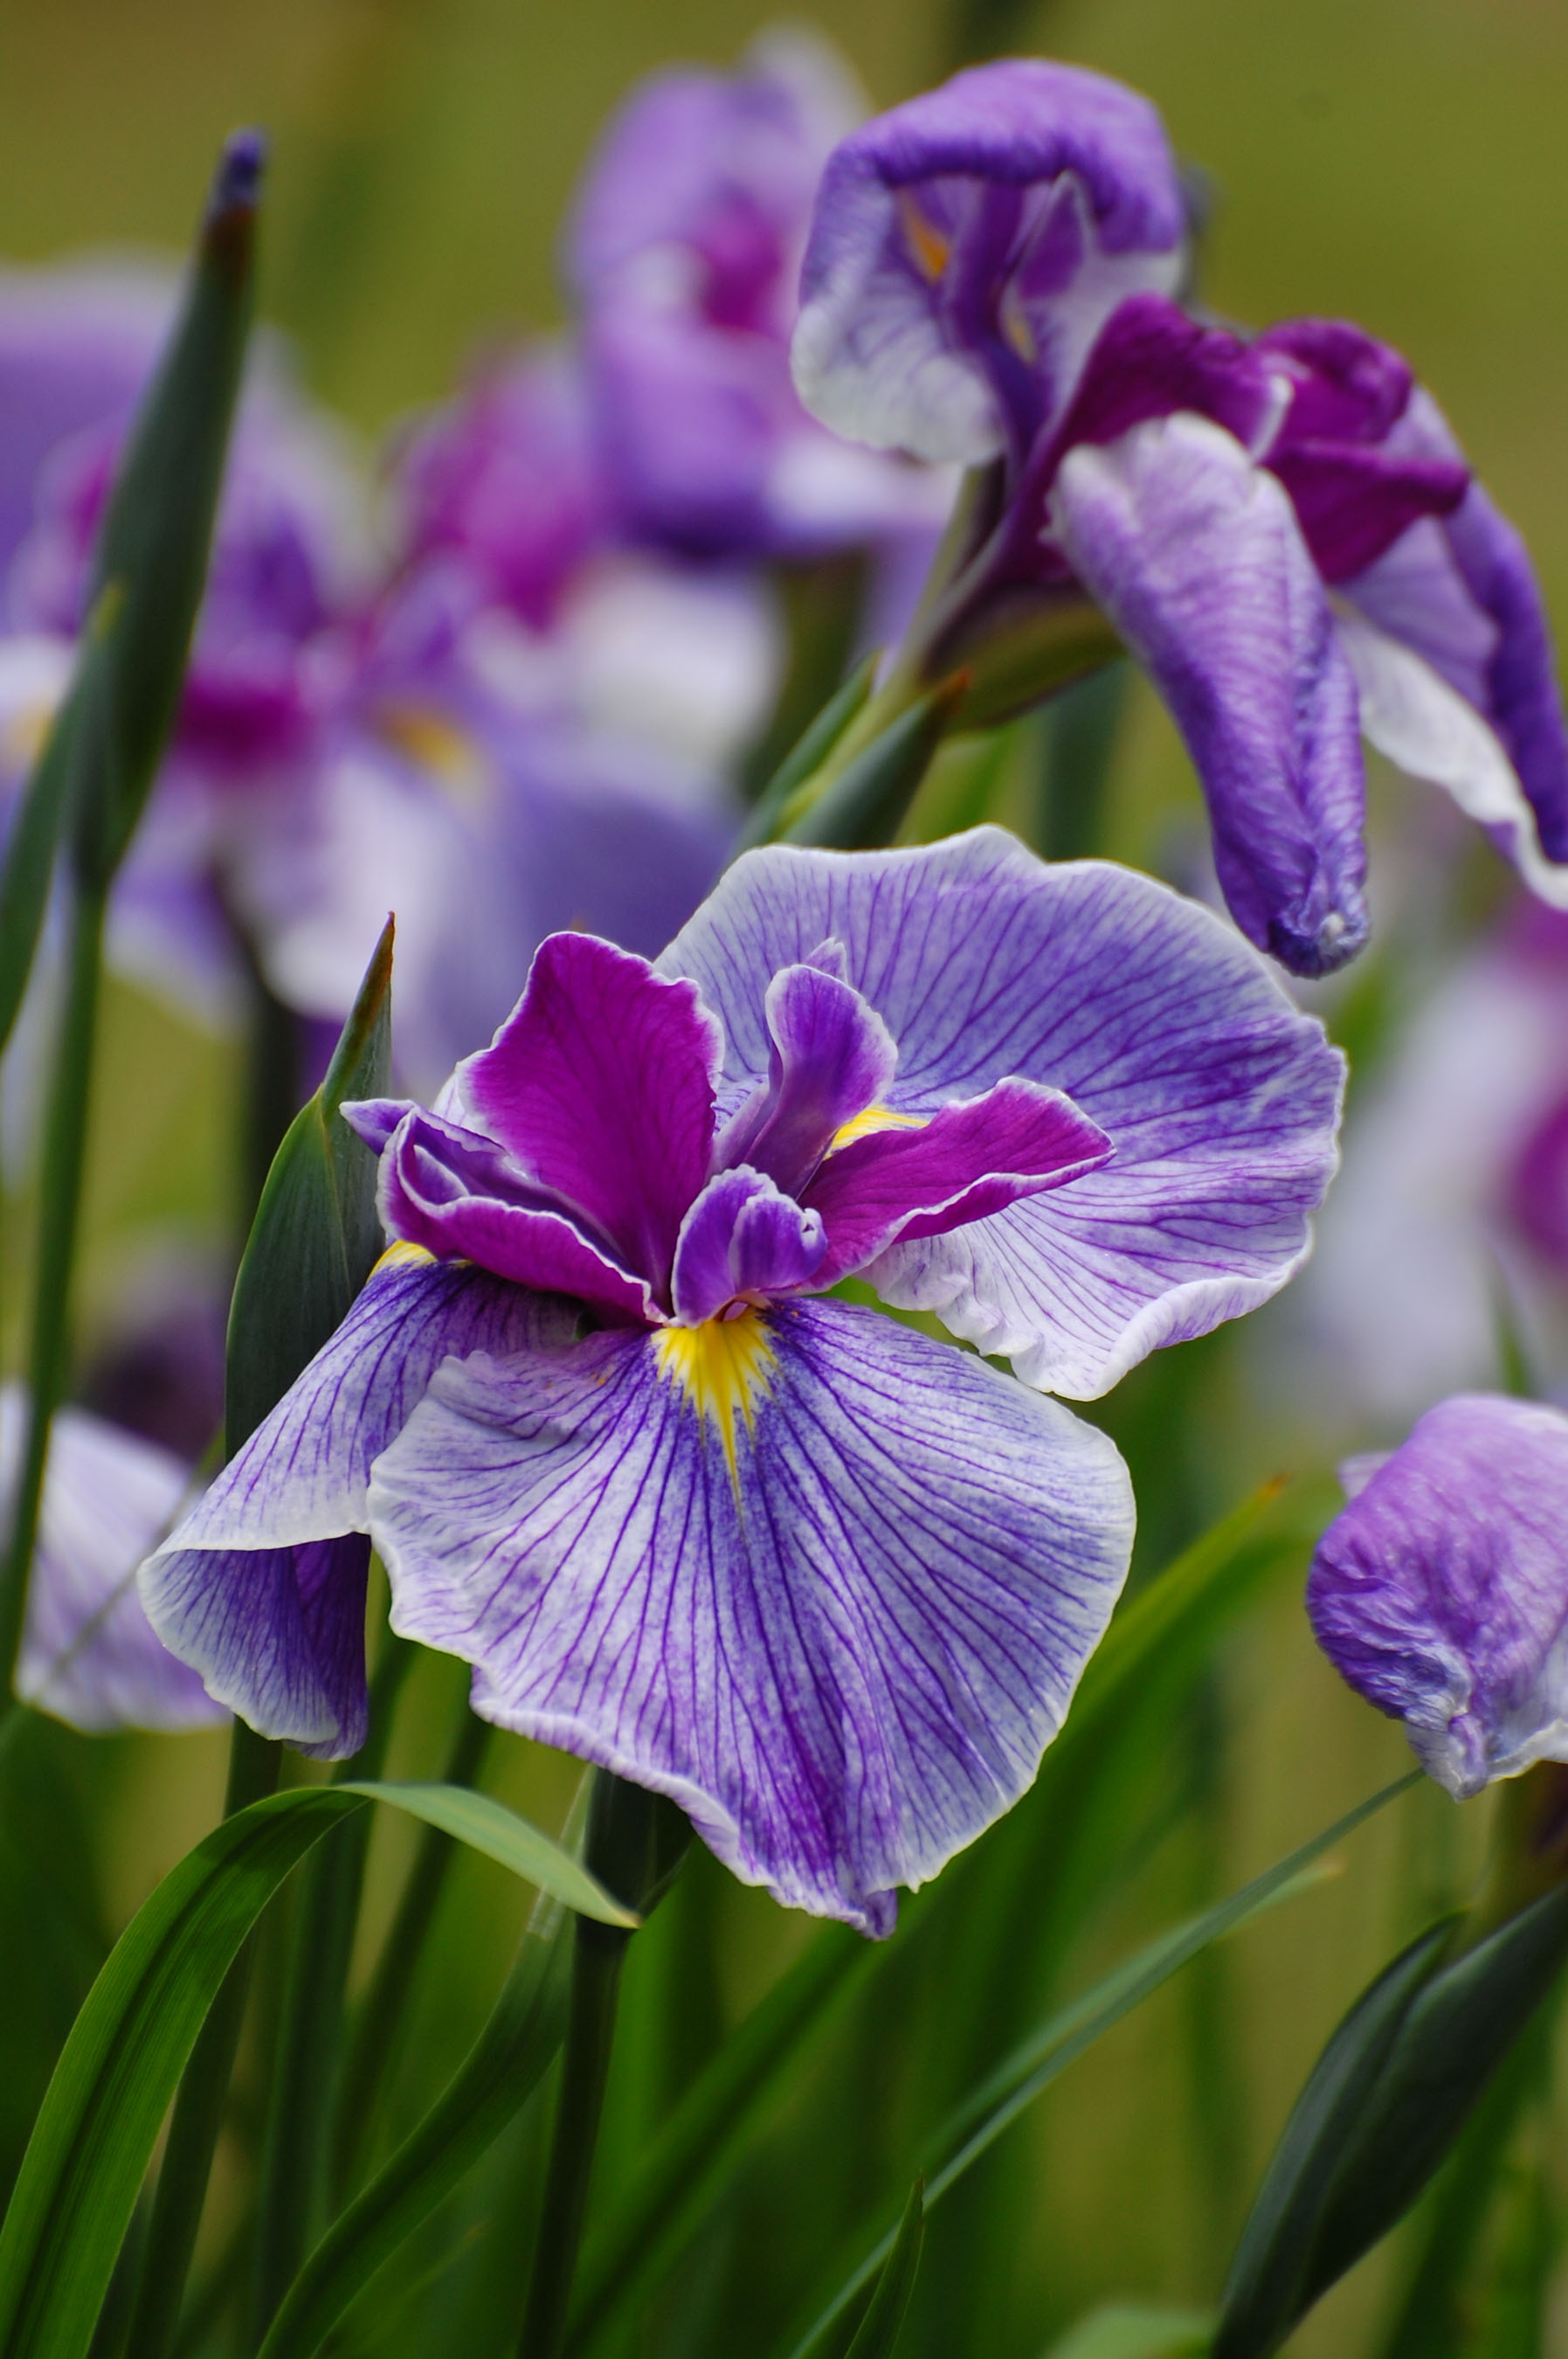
pixel 829 1584
pixel 302 1474
pixel 1219 1097
pixel 89 1654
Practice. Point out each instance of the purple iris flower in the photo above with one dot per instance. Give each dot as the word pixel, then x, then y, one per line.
pixel 1441 1591
pixel 89 1654
pixel 826 1581
pixel 1282 529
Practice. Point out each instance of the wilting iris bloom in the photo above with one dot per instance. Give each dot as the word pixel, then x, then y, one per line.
pixel 1455 1199
pixel 826 1581
pixel 1282 528
pixel 89 1654
pixel 1441 1591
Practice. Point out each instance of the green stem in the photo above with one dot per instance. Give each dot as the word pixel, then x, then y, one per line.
pixel 599 1953
pixel 254 1765
pixel 305 2060
pixel 64 1160
pixel 381 2012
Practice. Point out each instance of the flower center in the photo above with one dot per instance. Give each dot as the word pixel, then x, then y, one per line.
pixel 870 1118
pixel 723 1366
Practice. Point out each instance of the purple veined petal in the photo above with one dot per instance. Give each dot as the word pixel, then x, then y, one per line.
pixel 1150 359
pixel 1441 1591
pixel 1411 715
pixel 1353 504
pixel 600 1084
pixel 1220 1098
pixel 374 1120
pixel 829 1584
pixel 276 1634
pixel 966 248
pixel 743 1241
pixel 968 1162
pixel 459 1197
pixel 88 1655
pixel 302 1476
pixel 830 1058
pixel 1345 386
pixel 1197 557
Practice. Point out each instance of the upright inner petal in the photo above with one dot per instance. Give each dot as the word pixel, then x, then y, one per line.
pixel 743 1241
pixel 831 1057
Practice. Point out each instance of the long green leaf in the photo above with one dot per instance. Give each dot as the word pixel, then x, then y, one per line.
pixel 699 2148
pixel 1130 2331
pixel 883 2321
pixel 100 2119
pixel 808 755
pixel 488 1826
pixel 975 2126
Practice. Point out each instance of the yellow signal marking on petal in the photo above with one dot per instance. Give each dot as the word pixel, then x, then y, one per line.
pixel 1018 332
pixel 437 745
pixel 873 1117
pixel 723 1366
pixel 22 738
pixel 401 1255
pixel 927 242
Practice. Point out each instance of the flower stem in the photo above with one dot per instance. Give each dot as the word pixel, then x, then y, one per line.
pixel 253 1765
pixel 64 1159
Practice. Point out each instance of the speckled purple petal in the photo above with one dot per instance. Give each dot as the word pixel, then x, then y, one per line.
pixel 840 1630
pixel 600 1084
pixel 88 1655
pixel 743 1240
pixel 461 1198
pixel 966 248
pixel 968 1162
pixel 831 1056
pixel 1196 555
pixel 1441 1591
pixel 1220 1097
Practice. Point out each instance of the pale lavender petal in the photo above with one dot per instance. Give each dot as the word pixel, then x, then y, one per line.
pixel 831 1056
pixel 1441 1591
pixel 276 1634
pixel 601 1083
pixel 1220 1097
pixel 89 1654
pixel 1197 557
pixel 743 1241
pixel 302 1476
pixel 968 1162
pixel 836 1617
pixel 461 1198
pixel 967 247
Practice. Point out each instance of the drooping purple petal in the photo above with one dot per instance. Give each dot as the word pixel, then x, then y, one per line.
pixel 601 1083
pixel 1441 1591
pixel 743 1240
pixel 831 1056
pixel 966 248
pixel 461 1198
pixel 968 1162
pixel 1220 1097
pixel 832 1590
pixel 276 1634
pixel 1195 555
pixel 89 1654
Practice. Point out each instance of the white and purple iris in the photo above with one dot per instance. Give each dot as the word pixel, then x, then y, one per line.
pixel 1282 529
pixel 828 1582
pixel 1441 1591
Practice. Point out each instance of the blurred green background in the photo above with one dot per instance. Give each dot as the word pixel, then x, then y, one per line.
pixel 1404 162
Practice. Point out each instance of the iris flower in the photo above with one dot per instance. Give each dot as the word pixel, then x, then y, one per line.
pixel 1282 528
pixel 828 1582
pixel 1441 1590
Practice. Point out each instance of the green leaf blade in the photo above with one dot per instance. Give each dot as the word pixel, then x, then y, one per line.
pixel 883 2321
pixel 488 1827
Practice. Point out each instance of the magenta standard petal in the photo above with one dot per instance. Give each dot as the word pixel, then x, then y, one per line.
pixel 830 1058
pixel 88 1655
pixel 461 1198
pixel 743 1241
pixel 968 1162
pixel 1220 1097
pixel 600 1084
pixel 829 1584
pixel 1197 557
pixel 967 247
pixel 1441 1591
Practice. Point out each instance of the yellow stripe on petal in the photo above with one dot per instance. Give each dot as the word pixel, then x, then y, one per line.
pixel 723 1368
pixel 401 1255
pixel 927 242
pixel 874 1117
